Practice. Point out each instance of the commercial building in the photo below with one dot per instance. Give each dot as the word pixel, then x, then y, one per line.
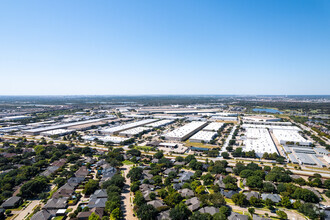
pixel 214 126
pixel 185 131
pixel 15 118
pixel 37 131
pixel 203 136
pixel 134 131
pixel 113 139
pixel 280 123
pixel 271 127
pixel 160 123
pixel 290 137
pixel 260 141
pixel 305 159
pixel 58 132
pixel 260 118
pixel 120 128
pixel 222 118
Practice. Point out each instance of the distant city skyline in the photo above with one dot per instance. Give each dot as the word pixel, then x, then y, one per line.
pixel 170 47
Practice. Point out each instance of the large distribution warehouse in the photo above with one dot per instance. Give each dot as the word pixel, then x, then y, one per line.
pixel 117 129
pixel 184 132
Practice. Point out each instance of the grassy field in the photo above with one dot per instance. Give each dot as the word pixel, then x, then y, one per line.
pixel 127 162
pixel 143 148
pixel 194 144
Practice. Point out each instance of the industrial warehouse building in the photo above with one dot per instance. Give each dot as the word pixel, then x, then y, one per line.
pixel 203 136
pixel 120 128
pixel 184 132
pixel 160 123
pixel 290 137
pixel 260 141
pixel 90 123
pixel 134 131
pixel 214 126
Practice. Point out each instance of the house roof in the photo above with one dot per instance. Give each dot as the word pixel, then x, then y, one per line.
pixel 186 192
pixel 209 209
pixel 274 197
pixel 44 215
pixel 82 172
pixel 193 203
pixel 186 176
pixel 167 171
pixel 252 194
pixel 69 186
pixel 54 203
pixel 85 215
pixel 165 215
pixel 236 216
pixel 144 187
pixel 76 180
pixel 100 193
pixel 229 193
pixel 177 186
pixel 63 193
pixel 11 202
pixel 156 203
pixel 220 183
pixel 97 202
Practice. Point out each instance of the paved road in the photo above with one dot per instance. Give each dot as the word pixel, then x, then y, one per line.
pixel 28 210
pixel 127 207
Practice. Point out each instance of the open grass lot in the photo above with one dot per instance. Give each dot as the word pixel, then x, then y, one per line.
pixel 194 144
pixel 127 162
pixel 143 148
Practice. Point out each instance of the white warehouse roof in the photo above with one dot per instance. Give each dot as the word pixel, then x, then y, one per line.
pixel 214 126
pixel 284 136
pixel 134 131
pixel 271 127
pixel 160 123
pixel 128 126
pixel 205 136
pixel 260 141
pixel 185 130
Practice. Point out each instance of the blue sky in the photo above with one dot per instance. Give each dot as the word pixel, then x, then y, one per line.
pixel 72 47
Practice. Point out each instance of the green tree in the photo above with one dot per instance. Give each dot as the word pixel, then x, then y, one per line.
pixel 251 211
pixel 201 216
pixel 180 212
pixel 94 216
pixel 147 212
pixel 158 155
pixel 286 202
pixel 240 199
pixel 91 186
pixel 33 187
pixel 59 181
pixel 281 214
pixel 158 180
pixel 305 195
pixel 208 179
pixel 135 173
pixel 246 173
pixel 173 198
pixel 115 214
pixel 225 211
pixel 200 190
pixel 254 182
pixel 225 155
